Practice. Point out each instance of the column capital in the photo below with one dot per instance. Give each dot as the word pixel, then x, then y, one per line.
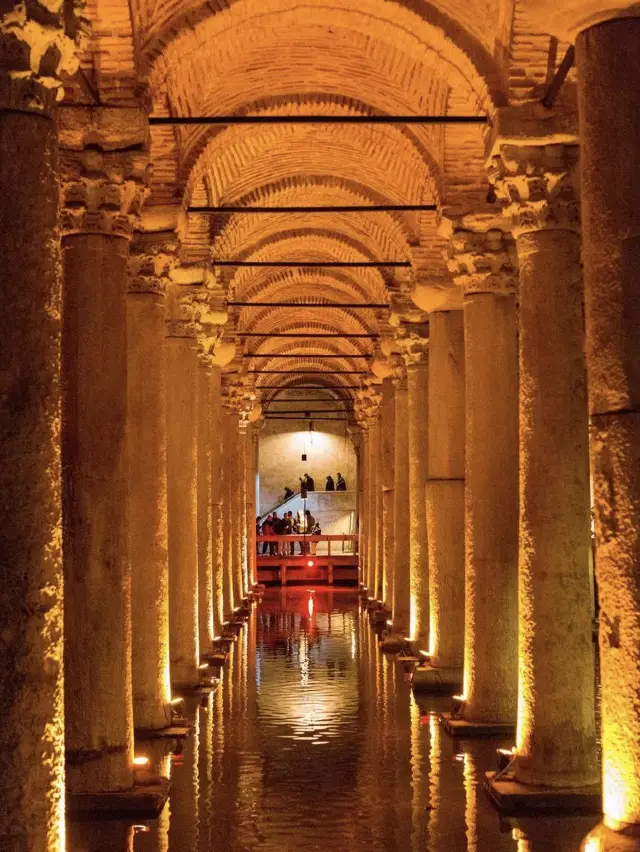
pixel 483 262
pixel 413 342
pixel 537 186
pixel 39 42
pixel 398 371
pixel 151 258
pixel 103 191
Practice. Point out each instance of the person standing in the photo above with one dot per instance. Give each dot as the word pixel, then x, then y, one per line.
pixel 309 523
pixel 258 532
pixel 277 530
pixel 267 529
pixel 309 483
pixel 330 486
pixel 341 484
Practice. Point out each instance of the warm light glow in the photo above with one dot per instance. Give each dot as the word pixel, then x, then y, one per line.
pixel 425 654
pixel 140 761
pixel 413 615
pixel 407 638
pixel 141 829
pixel 310 563
pixel 203 666
pixel 459 698
pixel 390 623
pixel 592 844
pixel 310 605
pixel 176 701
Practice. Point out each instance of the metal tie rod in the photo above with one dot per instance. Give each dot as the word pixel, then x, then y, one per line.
pixel 301 355
pixel 314 372
pixel 315 419
pixel 303 264
pixel 343 208
pixel 328 388
pixel 178 120
pixel 375 305
pixel 306 335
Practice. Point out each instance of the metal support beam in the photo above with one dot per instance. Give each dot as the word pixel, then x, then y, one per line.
pixel 369 305
pixel 559 78
pixel 314 372
pixel 335 388
pixel 306 335
pixel 171 120
pixel 343 208
pixel 274 401
pixel 315 419
pixel 300 355
pixel 304 264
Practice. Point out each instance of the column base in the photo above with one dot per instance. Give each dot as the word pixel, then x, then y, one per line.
pixel 215 657
pixel 392 643
pixel 604 839
pixel 461 728
pixel 432 679
pixel 380 616
pixel 145 800
pixel 179 727
pixel 198 688
pixel 510 796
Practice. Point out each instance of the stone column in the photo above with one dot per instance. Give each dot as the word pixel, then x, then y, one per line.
pixel 205 555
pixel 608 85
pixel 103 190
pixel 400 597
pixel 363 544
pixel 243 464
pixel 485 266
pixel 378 510
pixel 147 475
pixel 237 510
pixel 227 507
pixel 182 478
pixel 31 611
pixel 217 529
pixel 386 461
pixel 556 721
pixel 414 344
pixel 445 502
pixel 251 437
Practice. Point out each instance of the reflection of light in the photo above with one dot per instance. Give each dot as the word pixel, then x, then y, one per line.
pixel 141 829
pixel 140 761
pixel 310 605
pixel 310 563
pixel 471 803
pixel 592 844
pixel 353 644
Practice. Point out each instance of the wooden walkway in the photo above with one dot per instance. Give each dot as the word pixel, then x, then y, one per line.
pixel 339 564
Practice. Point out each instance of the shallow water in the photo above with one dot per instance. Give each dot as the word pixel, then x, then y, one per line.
pixel 315 742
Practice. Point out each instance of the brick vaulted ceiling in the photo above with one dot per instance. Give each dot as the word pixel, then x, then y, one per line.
pixel 301 57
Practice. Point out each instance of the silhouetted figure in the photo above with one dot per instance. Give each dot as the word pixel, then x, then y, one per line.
pixel 330 486
pixel 267 529
pixel 309 483
pixel 288 494
pixel 341 484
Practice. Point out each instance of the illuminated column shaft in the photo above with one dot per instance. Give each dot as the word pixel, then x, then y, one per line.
pixel 32 730
pixel 217 530
pixel 98 217
pixel 238 509
pixel 363 513
pixel 379 518
pixel 556 720
pixel 491 516
pixel 372 524
pixel 182 467
pixel 416 359
pixel 227 512
pixel 251 443
pixel 243 462
pixel 445 488
pixel 608 83
pixel 387 446
pixel 401 609
pixel 205 554
pixel 147 440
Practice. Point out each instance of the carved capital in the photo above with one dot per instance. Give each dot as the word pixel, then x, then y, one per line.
pixel 151 258
pixel 483 262
pixel 536 184
pixel 398 372
pixel 181 328
pixel 39 41
pixel 413 341
pixel 103 191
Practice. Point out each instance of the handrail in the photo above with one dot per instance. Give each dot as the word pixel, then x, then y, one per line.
pixel 280 505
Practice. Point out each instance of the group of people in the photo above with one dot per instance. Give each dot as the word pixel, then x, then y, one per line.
pixel 288 524
pixel 307 484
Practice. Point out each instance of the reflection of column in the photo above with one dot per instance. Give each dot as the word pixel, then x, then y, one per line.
pixel 387 476
pixel 98 218
pixel 414 346
pixel 556 720
pixel 182 504
pixel 205 556
pixel 32 730
pixel 184 829
pixel 485 267
pixel 445 497
pixel 147 456
pixel 217 530
pixel 401 580
pixel 608 86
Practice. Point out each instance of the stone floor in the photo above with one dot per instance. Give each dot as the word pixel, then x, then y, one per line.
pixel 314 741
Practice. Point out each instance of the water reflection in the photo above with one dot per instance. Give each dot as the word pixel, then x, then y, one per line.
pixel 315 741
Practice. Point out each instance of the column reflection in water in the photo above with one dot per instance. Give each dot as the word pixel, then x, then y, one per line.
pixel 185 778
pixel 205 773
